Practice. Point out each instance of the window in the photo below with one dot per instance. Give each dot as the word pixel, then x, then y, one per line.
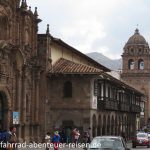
pixel 131 64
pixel 132 50
pixel 109 92
pixel 99 90
pixel 68 89
pixel 141 64
pixel 95 88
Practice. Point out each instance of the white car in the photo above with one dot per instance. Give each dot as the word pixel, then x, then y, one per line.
pixel 108 142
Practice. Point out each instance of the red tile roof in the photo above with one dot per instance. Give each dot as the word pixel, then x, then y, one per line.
pixel 63 66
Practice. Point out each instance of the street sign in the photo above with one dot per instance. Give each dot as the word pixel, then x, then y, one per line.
pixel 15 117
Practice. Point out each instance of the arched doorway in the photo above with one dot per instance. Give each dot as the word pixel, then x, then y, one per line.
pixel 94 125
pixel 99 126
pixel 3 111
pixel 119 125
pixel 108 125
pixel 67 128
pixel 104 126
pixel 112 125
pixel 116 126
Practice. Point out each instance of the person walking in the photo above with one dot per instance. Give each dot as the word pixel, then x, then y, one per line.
pixel 12 139
pixel 68 135
pixel 47 140
pixel 86 137
pixel 56 140
pixel 76 135
pixel 123 136
pixel 90 136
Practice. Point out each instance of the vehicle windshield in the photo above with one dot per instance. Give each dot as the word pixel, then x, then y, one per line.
pixel 142 135
pixel 104 143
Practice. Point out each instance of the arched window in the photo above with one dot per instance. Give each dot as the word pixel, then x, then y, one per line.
pixel 141 64
pixel 132 50
pixel 68 89
pixel 131 64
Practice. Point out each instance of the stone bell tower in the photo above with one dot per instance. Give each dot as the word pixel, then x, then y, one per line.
pixel 136 67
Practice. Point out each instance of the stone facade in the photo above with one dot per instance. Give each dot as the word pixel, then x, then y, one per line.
pixel 80 111
pixel 25 60
pixel 19 68
pixel 136 67
pixel 51 84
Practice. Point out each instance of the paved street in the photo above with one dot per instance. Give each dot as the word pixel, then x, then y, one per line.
pixel 64 148
pixel 69 148
pixel 138 147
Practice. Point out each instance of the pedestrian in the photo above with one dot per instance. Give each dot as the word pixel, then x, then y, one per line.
pixel 89 133
pixel 76 135
pixel 62 136
pixel 68 135
pixel 56 140
pixel 124 136
pixel 12 139
pixel 86 137
pixel 47 140
pixel 3 139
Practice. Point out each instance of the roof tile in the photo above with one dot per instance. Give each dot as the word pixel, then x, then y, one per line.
pixel 63 66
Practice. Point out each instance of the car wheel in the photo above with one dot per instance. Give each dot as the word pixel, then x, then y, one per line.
pixel 133 146
pixel 148 146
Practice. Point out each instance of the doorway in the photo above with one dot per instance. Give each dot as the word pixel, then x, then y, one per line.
pixel 67 127
pixel 3 123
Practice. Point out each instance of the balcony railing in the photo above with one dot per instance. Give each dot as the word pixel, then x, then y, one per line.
pixel 135 108
pixel 124 107
pixel 108 104
pixel 111 104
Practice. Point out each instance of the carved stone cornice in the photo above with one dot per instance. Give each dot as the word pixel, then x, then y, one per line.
pixel 135 74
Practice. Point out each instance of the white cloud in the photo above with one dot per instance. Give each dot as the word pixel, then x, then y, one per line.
pixel 94 25
pixel 85 31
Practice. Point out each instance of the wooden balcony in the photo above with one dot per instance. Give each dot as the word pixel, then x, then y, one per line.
pixel 111 104
pixel 135 108
pixel 104 103
pixel 107 104
pixel 124 107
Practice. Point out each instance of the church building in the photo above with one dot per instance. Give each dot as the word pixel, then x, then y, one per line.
pixel 46 84
pixel 136 69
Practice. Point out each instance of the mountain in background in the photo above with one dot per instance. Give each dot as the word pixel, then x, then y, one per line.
pixel 113 64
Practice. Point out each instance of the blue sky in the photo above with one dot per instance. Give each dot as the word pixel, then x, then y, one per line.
pixel 94 25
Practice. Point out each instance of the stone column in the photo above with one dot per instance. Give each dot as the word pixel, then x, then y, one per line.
pixel 18 97
pixel 23 111
pixel 37 84
pixel 24 96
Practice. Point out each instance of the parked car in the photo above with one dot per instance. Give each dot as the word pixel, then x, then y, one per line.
pixel 108 142
pixel 141 139
pixel 148 134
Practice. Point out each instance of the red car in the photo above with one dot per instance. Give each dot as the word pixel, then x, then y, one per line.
pixel 141 139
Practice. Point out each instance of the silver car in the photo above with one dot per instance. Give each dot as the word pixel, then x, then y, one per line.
pixel 108 143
